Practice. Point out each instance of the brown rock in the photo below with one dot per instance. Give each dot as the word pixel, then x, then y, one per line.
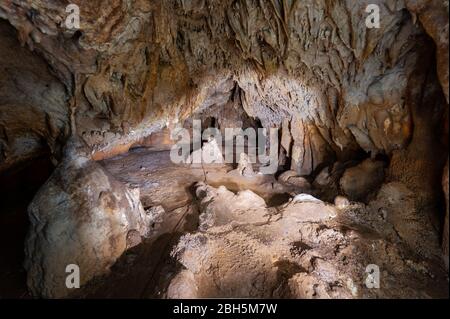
pixel 81 216
pixel 336 88
pixel 341 202
pixel 359 181
pixel 292 178
pixel 155 61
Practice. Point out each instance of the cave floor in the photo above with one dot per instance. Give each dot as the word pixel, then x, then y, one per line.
pixel 145 271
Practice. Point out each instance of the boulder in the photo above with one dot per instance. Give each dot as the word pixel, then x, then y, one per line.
pixel 362 179
pixel 221 206
pixel 81 216
pixel 291 178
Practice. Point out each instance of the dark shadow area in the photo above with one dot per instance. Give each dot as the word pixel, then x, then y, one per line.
pixel 18 187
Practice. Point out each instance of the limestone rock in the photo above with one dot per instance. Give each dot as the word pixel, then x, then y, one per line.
pixel 292 178
pixel 399 206
pixel 304 198
pixel 324 178
pixel 156 60
pixel 81 216
pixel 303 250
pixel 245 167
pixel 209 153
pixel 33 104
pixel 183 286
pixel 327 180
pixel 307 210
pixel 222 206
pixel 341 202
pixel 359 181
pixel 338 90
pixel 309 148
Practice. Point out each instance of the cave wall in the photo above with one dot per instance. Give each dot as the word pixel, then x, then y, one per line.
pixel 134 66
pixel 33 104
pixel 309 67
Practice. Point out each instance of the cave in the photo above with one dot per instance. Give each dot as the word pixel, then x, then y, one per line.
pixel 185 149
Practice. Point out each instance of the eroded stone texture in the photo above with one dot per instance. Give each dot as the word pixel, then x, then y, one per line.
pixel 400 207
pixel 303 249
pixel 433 14
pixel 313 62
pixel 245 167
pixel 81 216
pixel 312 68
pixel 33 104
pixel 359 181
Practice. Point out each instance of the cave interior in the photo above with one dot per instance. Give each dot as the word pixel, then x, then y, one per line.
pixel 90 118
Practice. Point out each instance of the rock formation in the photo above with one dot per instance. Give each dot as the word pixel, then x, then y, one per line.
pixel 306 249
pixel 82 216
pixel 365 178
pixel 308 62
pixel 445 239
pixel 361 114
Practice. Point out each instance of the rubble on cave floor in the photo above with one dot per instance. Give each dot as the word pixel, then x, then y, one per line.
pixel 303 249
pixel 355 183
pixel 216 239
